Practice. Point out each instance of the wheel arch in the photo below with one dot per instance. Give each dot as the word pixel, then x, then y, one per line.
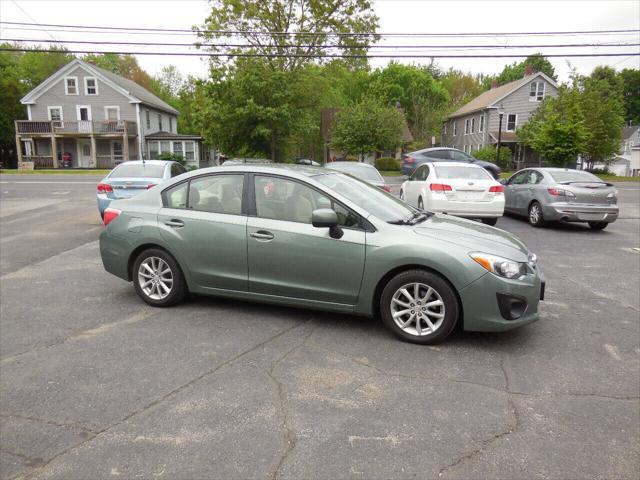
pixel 146 246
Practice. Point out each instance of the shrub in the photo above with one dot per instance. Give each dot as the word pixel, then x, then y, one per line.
pixel 488 154
pixel 351 158
pixel 173 157
pixel 601 171
pixel 387 164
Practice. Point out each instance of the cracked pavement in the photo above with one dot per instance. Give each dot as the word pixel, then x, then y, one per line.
pixel 95 384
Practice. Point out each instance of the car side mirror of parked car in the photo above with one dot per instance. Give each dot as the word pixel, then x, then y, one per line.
pixel 327 218
pixel 503 181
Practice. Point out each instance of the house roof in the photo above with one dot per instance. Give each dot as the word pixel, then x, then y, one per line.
pixel 130 89
pixel 629 130
pixel 171 136
pixel 493 96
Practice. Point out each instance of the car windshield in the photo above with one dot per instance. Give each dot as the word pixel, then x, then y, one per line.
pixel 359 171
pixel 462 172
pixel 138 170
pixel 574 176
pixel 380 204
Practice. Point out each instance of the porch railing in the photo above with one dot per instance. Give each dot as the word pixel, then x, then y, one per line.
pixel 39 161
pixel 107 161
pixel 88 127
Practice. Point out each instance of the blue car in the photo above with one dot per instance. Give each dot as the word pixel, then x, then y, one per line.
pixel 131 178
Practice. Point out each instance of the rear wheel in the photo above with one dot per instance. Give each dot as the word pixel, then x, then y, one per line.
pixel 598 225
pixel 158 279
pixel 535 215
pixel 490 221
pixel 419 307
pixel 420 204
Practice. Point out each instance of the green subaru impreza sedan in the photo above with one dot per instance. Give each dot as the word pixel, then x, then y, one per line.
pixel 316 238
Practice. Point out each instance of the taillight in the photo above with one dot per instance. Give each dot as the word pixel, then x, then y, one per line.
pixel 110 214
pixel 409 160
pixel 151 185
pixel 440 187
pixel 496 189
pixel 387 188
pixel 104 188
pixel 559 192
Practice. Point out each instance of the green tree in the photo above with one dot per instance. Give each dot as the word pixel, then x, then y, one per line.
pixel 603 108
pixel 309 22
pixel 631 95
pixel 367 127
pixel 557 129
pixel 124 65
pixel 489 154
pixel 516 70
pixel 461 87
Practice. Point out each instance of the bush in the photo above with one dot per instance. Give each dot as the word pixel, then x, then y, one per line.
pixel 601 171
pixel 351 158
pixel 488 154
pixel 387 164
pixel 173 157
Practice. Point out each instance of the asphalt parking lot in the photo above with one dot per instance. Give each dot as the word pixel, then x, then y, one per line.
pixel 95 384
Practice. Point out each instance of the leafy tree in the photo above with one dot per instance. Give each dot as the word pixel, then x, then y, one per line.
pixel 313 18
pixel 603 108
pixel 516 70
pixel 422 98
pixel 462 87
pixel 489 154
pixel 367 127
pixel 557 129
pixel 631 95
pixel 124 65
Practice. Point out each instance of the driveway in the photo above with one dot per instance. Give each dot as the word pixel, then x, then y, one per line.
pixel 95 384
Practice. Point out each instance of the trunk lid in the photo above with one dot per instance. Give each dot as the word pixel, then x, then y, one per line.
pixel 130 187
pixel 591 193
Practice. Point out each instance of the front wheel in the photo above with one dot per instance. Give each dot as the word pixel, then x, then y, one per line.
pixel 158 279
pixel 490 221
pixel 598 225
pixel 535 215
pixel 419 307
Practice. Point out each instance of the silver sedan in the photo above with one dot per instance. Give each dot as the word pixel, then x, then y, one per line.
pixel 561 194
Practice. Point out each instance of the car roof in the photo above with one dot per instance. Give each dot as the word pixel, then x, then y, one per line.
pixel 346 163
pixel 434 149
pixel 454 164
pixel 146 162
pixel 274 168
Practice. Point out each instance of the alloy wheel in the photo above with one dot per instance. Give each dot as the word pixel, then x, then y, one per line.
pixel 417 309
pixel 534 214
pixel 155 278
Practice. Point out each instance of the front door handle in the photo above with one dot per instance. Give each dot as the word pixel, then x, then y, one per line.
pixel 175 223
pixel 262 235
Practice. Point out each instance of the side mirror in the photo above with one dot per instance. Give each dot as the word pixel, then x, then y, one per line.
pixel 503 181
pixel 327 218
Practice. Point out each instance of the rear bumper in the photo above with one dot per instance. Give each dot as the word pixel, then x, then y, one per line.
pixel 568 212
pixel 491 209
pixel 103 202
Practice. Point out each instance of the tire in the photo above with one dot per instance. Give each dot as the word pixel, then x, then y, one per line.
pixel 157 260
pixel 490 221
pixel 420 204
pixel 535 215
pixel 598 225
pixel 401 289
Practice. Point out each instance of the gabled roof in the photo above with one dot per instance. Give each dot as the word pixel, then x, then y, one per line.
pixel 491 97
pixel 130 89
pixel 629 130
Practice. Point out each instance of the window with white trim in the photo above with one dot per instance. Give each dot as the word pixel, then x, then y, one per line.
pixel 71 85
pixel 481 124
pixel 177 149
pixel 512 122
pixel 466 126
pixel 153 150
pixel 90 86
pixel 473 125
pixel 455 128
pixel 148 118
pixel 536 91
pixel 112 114
pixel 55 114
pixel 189 151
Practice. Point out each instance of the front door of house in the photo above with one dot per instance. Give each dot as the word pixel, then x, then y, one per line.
pixel 84 153
pixel 83 113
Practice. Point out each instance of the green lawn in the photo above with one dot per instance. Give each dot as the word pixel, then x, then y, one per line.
pixel 54 171
pixel 390 173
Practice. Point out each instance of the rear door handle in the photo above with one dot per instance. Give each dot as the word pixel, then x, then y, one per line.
pixel 175 223
pixel 262 235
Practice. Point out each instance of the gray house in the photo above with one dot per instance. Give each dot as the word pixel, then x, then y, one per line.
pixel 475 124
pixel 97 119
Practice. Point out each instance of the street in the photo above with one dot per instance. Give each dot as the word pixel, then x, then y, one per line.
pixel 96 384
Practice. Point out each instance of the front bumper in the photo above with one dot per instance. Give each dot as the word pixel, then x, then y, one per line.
pixel 580 212
pixel 481 302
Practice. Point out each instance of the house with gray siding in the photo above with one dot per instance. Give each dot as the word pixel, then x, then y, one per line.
pixel 476 124
pixel 94 118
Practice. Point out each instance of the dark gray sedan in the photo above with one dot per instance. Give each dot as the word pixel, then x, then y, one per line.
pixel 363 171
pixel 561 194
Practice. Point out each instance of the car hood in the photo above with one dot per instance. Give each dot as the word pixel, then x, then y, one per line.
pixel 473 235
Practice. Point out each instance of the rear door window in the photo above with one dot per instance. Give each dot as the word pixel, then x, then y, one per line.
pixel 217 194
pixel 177 169
pixel 519 178
pixel 176 197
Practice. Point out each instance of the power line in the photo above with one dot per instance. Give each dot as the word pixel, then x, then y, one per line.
pixel 245 45
pixel 285 55
pixel 32 19
pixel 338 34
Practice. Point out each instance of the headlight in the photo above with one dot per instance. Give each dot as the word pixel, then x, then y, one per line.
pixel 613 196
pixel 503 267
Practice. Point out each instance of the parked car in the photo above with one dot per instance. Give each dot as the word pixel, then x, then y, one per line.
pixel 363 171
pixel 561 194
pixel 316 238
pixel 410 161
pixel 461 189
pixel 243 161
pixel 306 161
pixel 130 178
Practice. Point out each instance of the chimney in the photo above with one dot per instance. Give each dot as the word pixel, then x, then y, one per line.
pixel 494 84
pixel 529 70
